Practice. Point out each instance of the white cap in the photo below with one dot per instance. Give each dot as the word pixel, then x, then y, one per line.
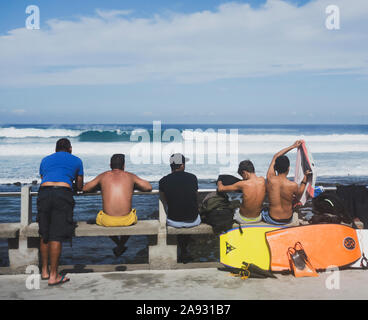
pixel 178 158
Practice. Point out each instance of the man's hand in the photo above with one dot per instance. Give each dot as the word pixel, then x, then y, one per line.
pixel 297 144
pixel 306 175
pixel 271 170
pixel 219 186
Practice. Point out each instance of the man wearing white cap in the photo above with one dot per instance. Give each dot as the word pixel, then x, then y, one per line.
pixel 179 192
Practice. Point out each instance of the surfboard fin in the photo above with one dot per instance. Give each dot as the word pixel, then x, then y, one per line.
pixel 299 262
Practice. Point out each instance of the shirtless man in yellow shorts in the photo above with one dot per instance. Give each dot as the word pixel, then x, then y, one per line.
pixel 254 192
pixel 117 187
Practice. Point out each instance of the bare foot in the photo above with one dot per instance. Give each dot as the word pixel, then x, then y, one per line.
pixel 45 274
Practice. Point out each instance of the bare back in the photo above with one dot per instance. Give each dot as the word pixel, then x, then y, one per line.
pixel 254 192
pixel 281 194
pixel 117 188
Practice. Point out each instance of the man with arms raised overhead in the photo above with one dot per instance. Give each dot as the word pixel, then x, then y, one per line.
pixel 117 187
pixel 253 189
pixel 55 206
pixel 282 193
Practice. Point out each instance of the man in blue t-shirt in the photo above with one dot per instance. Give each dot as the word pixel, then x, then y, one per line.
pixel 55 205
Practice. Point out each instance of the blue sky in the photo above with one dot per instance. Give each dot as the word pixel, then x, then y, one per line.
pixel 205 61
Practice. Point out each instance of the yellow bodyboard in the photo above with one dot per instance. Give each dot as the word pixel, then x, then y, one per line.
pixel 249 246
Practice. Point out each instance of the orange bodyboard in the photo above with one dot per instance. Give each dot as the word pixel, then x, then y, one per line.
pixel 327 245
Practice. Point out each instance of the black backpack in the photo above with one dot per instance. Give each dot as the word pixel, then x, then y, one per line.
pixel 218 211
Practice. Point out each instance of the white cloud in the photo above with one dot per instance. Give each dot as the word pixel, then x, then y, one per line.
pixel 18 112
pixel 108 14
pixel 235 41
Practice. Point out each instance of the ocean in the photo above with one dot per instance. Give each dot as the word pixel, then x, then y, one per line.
pixel 340 153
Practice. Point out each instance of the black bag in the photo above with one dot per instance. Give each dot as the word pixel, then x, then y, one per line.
pixel 218 211
pixel 220 220
pixel 329 208
pixel 355 199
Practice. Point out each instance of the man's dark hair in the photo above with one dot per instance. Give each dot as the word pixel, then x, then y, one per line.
pixel 175 166
pixel 247 166
pixel 63 145
pixel 282 164
pixel 117 161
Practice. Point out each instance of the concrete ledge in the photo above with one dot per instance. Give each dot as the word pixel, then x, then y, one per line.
pixel 201 229
pixel 207 229
pixel 9 230
pixel 22 257
pixel 143 227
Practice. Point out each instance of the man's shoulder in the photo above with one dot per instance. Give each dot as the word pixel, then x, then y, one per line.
pixel 174 176
pixel 75 158
pixel 164 178
pixel 63 155
pixel 129 175
pixel 44 159
pixel 191 175
pixel 246 184
pixel 104 174
pixel 288 185
pixel 50 156
pixel 290 182
pixel 273 179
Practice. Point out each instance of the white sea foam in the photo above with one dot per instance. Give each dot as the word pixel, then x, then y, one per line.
pixel 222 135
pixel 248 146
pixel 219 134
pixel 18 133
pixel 335 154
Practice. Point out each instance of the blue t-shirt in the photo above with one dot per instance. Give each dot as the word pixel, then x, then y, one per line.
pixel 61 167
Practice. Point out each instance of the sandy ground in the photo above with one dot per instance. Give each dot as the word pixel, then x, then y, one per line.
pixel 191 284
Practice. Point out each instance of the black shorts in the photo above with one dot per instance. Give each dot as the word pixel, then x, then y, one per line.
pixel 55 213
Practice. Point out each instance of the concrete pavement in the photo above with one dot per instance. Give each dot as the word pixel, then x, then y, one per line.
pixel 190 284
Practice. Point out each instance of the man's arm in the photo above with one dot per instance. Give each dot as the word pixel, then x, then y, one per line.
pixel 141 184
pixel 231 188
pixel 92 185
pixel 163 198
pixel 302 186
pixel 79 180
pixel 79 183
pixel 271 170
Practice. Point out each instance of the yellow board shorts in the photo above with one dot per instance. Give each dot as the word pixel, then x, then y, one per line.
pixel 105 220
